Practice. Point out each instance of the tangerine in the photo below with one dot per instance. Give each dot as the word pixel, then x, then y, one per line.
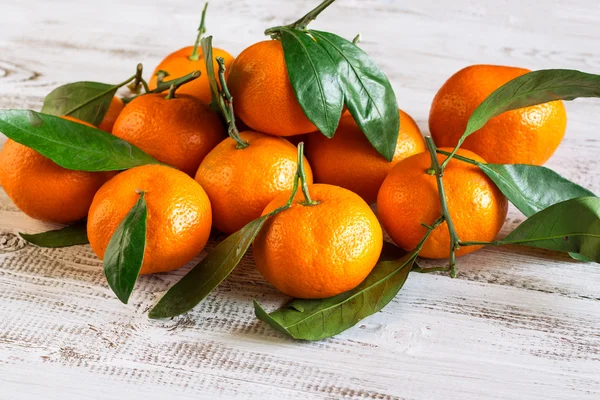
pixel 350 161
pixel 178 64
pixel 409 197
pixel 178 219
pixel 44 190
pixel 179 131
pixel 115 108
pixel 321 250
pixel 241 182
pixel 264 97
pixel 527 135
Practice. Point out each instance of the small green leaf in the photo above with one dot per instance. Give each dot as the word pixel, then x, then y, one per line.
pixel 70 235
pixel 533 88
pixel 313 76
pixel 569 226
pixel 368 93
pixel 532 188
pixel 125 251
pixel 87 101
pixel 208 274
pixel 70 144
pixel 323 318
pixel 207 52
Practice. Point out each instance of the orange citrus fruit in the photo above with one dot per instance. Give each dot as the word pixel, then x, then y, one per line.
pixel 115 108
pixel 179 131
pixel 527 135
pixel 178 220
pixel 178 64
pixel 264 97
pixel 409 197
pixel 44 190
pixel 241 182
pixel 318 251
pixel 350 161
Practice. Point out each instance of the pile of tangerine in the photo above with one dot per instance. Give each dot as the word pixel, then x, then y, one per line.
pixel 313 249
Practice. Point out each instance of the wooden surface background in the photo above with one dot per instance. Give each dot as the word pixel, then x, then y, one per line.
pixel 516 324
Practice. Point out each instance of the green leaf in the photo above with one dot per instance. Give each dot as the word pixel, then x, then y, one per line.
pixel 70 235
pixel 368 93
pixel 323 318
pixel 208 274
pixel 87 101
pixel 125 251
pixel 207 52
pixel 533 88
pixel 569 226
pixel 314 78
pixel 70 144
pixel 532 188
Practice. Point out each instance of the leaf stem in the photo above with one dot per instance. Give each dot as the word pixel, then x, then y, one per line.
pixel 356 40
pixel 475 243
pixel 452 154
pixel 454 240
pixel 201 31
pixel 302 176
pixel 134 87
pixel 176 83
pixel 226 105
pixel 460 158
pixel 431 269
pixel 162 86
pixel 303 22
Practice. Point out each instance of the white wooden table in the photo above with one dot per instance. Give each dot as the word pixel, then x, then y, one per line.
pixel 516 324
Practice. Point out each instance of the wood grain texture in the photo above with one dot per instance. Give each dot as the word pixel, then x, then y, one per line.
pixel 516 324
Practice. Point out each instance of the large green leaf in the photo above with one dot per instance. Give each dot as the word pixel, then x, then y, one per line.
pixel 208 274
pixel 125 251
pixel 87 101
pixel 569 226
pixel 533 88
pixel 532 188
pixel 70 144
pixel 70 235
pixel 367 91
pixel 323 318
pixel 314 78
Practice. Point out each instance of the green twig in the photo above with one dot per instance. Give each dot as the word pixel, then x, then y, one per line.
pixel 303 22
pixel 226 105
pixel 460 158
pixel 454 240
pixel 356 40
pixel 162 86
pixel 475 243
pixel 134 86
pixel 160 76
pixel 201 31
pixel 302 175
pixel 453 153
